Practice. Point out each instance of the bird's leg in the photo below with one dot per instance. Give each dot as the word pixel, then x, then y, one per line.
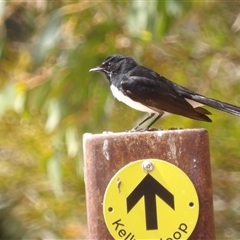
pixel 159 115
pixel 136 128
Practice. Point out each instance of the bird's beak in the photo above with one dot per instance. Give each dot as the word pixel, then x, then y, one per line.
pixel 96 69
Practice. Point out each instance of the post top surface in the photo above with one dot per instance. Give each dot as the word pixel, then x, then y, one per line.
pixel 158 133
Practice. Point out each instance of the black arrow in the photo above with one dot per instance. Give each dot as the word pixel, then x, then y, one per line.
pixel 149 187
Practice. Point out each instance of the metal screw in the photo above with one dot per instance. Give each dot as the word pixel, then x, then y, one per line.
pixel 147 166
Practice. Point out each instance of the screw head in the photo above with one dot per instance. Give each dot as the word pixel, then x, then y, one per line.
pixel 147 166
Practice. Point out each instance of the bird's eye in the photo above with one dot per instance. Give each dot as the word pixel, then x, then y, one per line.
pixel 109 64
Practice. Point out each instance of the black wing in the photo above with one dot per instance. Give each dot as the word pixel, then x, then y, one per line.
pixel 159 94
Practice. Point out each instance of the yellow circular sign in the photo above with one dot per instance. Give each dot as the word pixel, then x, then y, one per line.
pixel 150 199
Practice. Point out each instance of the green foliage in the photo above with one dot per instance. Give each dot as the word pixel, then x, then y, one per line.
pixel 48 99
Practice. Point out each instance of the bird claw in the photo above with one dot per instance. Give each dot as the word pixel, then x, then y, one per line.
pixel 135 129
pixel 175 128
pixel 144 129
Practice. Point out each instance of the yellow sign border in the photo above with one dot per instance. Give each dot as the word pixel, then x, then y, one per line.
pixel 175 221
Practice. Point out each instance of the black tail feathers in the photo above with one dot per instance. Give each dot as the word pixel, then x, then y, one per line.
pixel 222 106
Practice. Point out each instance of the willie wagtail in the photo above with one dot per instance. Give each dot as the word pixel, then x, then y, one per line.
pixel 147 91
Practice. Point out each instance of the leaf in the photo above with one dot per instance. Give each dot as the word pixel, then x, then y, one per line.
pixel 72 141
pixel 54 115
pixel 2 7
pixel 7 96
pixel 55 173
pixel 48 36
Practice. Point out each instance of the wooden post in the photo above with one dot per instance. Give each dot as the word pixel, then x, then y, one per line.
pixel 105 154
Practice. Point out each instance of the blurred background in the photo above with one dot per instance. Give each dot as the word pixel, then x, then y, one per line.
pixel 48 99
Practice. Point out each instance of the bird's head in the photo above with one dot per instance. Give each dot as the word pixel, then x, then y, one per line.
pixel 115 64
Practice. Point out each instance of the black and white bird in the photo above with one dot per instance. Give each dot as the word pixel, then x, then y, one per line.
pixel 147 91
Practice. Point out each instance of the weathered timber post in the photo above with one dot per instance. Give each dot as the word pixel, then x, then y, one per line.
pixel 105 154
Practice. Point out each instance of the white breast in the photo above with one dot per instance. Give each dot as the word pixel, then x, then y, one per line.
pixel 128 101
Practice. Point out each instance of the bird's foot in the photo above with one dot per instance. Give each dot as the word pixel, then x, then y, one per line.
pixel 144 129
pixel 135 129
pixel 174 128
pixel 153 129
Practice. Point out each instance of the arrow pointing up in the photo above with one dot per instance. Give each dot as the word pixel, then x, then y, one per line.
pixel 149 187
